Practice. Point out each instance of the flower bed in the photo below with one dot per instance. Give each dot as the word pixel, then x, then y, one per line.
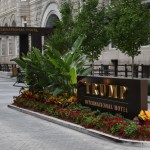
pixel 70 110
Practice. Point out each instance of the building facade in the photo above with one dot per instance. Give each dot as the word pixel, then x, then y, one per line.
pixel 24 13
pixel 40 13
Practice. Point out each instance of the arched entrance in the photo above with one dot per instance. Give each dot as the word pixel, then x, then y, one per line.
pixel 51 21
pixel 50 14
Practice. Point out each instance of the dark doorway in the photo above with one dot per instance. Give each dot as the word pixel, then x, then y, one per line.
pixel 51 22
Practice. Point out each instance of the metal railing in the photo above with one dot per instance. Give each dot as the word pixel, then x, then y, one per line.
pixel 140 71
pixel 7 67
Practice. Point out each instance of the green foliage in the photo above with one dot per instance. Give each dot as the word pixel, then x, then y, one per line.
pixel 78 106
pixel 54 70
pixel 35 69
pixel 41 107
pixel 131 129
pixel 89 121
pixel 104 122
pixel 62 38
pixel 29 104
pixel 128 26
pixel 91 22
pixel 50 109
pixel 66 67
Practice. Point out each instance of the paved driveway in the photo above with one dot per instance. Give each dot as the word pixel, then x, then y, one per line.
pixel 19 131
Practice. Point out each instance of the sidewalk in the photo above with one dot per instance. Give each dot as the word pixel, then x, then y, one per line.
pixel 5 74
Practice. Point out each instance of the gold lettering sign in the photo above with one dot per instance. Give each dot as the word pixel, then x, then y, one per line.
pixel 18 29
pixel 87 87
pixel 103 89
pixel 123 90
pixel 113 91
pixel 107 106
pixel 95 89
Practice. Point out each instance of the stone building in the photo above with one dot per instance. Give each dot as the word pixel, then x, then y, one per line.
pixel 22 13
pixel 40 13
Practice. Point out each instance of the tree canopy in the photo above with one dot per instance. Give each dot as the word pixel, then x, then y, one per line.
pixel 129 26
pixel 91 22
pixel 62 38
pixel 88 21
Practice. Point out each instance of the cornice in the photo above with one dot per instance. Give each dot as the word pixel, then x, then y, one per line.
pixel 36 1
pixel 33 2
pixel 8 11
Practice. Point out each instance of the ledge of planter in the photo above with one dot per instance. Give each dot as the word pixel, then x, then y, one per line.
pixel 79 128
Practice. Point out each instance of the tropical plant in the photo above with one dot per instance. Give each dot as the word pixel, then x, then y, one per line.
pixel 36 73
pixel 54 70
pixel 67 67
pixel 129 26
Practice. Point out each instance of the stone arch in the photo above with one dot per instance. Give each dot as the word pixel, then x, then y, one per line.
pixel 12 21
pixel 51 11
pixel 5 22
pixel 51 21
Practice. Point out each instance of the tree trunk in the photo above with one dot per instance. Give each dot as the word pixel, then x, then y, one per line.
pixel 93 63
pixel 93 67
pixel 132 67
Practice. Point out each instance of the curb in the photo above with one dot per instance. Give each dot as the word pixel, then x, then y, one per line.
pixel 79 128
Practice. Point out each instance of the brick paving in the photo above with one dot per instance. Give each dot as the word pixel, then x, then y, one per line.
pixel 19 131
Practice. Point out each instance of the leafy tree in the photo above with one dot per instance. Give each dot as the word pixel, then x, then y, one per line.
pixel 129 26
pixel 91 22
pixel 62 38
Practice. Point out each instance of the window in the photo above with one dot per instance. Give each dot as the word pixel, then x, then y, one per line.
pixel 13 24
pixel 111 46
pixel 24 21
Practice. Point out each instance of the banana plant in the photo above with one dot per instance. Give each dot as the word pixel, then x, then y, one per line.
pixel 54 70
pixel 67 67
pixel 35 72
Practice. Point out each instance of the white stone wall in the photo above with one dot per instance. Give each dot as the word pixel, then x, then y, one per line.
pixel 111 54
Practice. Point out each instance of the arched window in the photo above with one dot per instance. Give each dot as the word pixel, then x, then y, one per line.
pixel 51 21
pixel 13 24
pixel 6 25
